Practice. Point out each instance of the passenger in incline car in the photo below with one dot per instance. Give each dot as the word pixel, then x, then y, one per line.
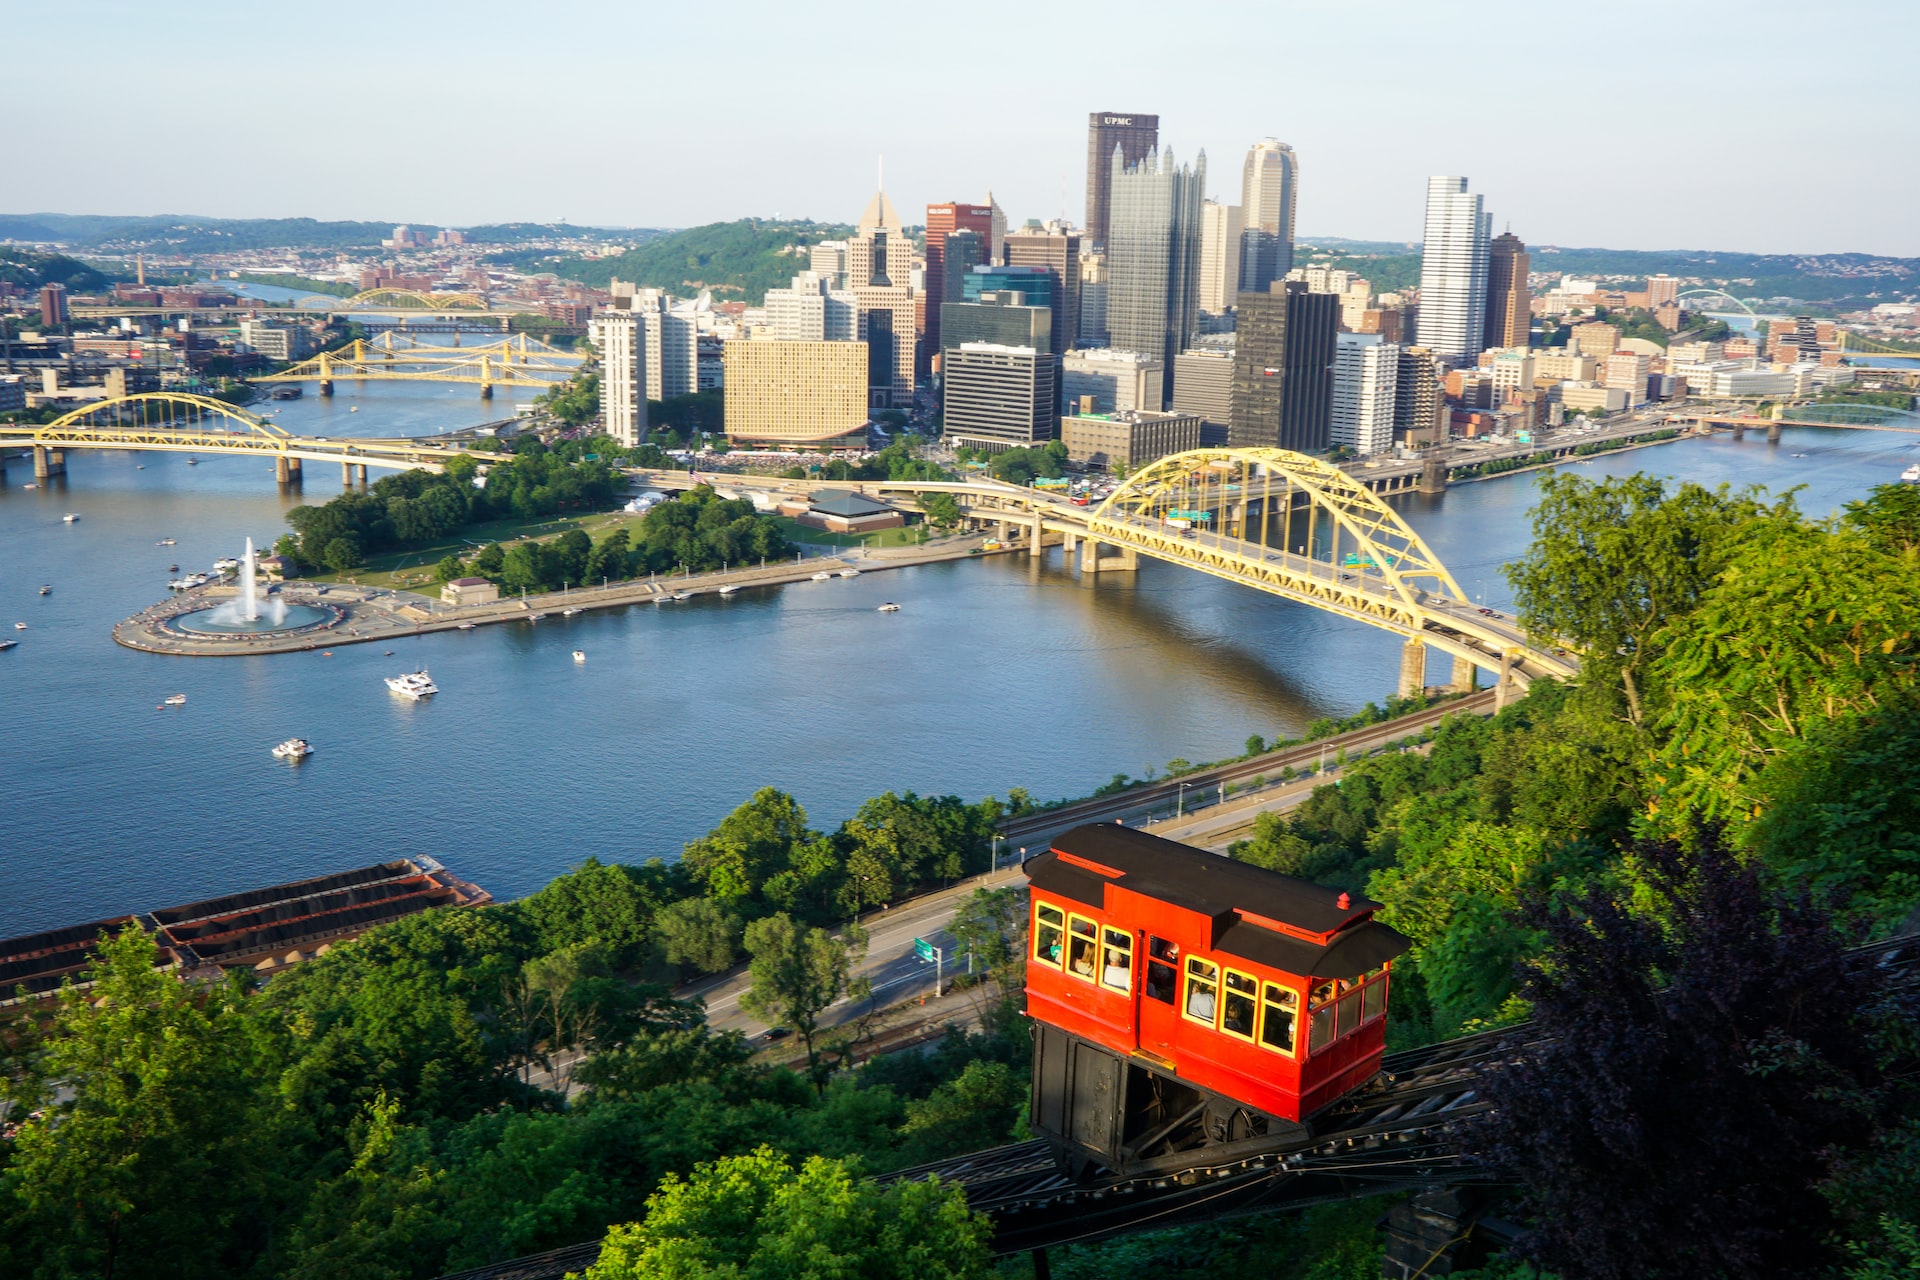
pixel 1200 1003
pixel 1083 963
pixel 1117 974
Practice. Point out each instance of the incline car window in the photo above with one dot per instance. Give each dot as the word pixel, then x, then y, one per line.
pixel 1202 987
pixel 1080 934
pixel 1161 974
pixel 1236 1016
pixel 1049 926
pixel 1278 1007
pixel 1116 964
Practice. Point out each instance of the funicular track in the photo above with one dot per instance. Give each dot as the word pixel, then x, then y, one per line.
pixel 1399 1133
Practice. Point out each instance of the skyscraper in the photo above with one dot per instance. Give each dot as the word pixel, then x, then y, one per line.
pixel 1057 250
pixel 942 221
pixel 811 310
pixel 1135 136
pixel 999 396
pixel 1269 192
pixel 1509 305
pixel 880 275
pixel 1282 390
pixel 1366 373
pixel 1419 399
pixel 1153 257
pixel 623 377
pixel 1220 228
pixel 53 305
pixel 1453 272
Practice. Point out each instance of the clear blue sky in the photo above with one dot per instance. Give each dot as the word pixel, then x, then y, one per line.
pixel 1769 126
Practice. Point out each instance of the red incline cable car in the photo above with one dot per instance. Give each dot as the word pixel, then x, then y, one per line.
pixel 1181 999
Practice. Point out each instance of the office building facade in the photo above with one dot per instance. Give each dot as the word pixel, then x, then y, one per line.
pixel 1134 136
pixel 1509 303
pixel 1269 194
pixel 1366 373
pixel 53 305
pixel 811 310
pixel 1453 272
pixel 1419 398
pixel 1127 440
pixel 1282 391
pixel 1153 257
pixel 780 392
pixel 1001 319
pixel 1203 387
pixel 999 397
pixel 880 276
pixel 1056 250
pixel 942 221
pixel 1220 233
pixel 1113 381
pixel 622 336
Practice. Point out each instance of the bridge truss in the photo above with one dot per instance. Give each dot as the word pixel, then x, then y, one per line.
pixel 507 363
pixel 174 422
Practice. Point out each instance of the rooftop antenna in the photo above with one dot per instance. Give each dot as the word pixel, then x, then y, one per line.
pixel 880 173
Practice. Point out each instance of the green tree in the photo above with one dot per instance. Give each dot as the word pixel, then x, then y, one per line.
pixel 341 554
pixel 610 905
pixel 990 926
pixel 754 843
pixel 754 1217
pixel 942 510
pixel 449 568
pixel 1613 563
pixel 161 1159
pixel 700 934
pixel 798 973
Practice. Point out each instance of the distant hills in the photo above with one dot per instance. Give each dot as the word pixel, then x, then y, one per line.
pixel 739 261
pixel 178 233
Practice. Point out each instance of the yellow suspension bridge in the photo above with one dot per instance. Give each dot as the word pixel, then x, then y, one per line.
pixel 511 362
pixel 171 422
pixel 1280 522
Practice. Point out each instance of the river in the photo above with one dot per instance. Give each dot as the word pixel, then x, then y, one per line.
pixel 995 673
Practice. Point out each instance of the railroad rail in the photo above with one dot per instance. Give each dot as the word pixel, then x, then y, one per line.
pixel 1399 1133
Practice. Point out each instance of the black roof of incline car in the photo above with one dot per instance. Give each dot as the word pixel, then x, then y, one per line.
pixel 1220 888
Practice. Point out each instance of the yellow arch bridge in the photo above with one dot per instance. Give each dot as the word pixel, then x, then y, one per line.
pixel 170 422
pixel 1283 523
pixel 512 362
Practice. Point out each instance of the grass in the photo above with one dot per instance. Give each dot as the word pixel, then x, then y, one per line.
pixel 411 570
pixel 908 536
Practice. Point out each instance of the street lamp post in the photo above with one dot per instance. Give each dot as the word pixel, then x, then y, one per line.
pixel 1180 802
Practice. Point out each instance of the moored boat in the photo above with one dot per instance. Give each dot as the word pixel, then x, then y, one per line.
pixel 293 749
pixel 888 607
pixel 579 655
pixel 176 700
pixel 414 684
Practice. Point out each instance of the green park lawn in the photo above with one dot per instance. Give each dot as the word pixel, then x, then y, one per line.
pixel 413 570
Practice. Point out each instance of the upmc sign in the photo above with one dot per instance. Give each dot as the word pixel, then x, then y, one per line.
pixel 1126 120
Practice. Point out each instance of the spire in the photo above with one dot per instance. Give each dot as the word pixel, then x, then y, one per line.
pixel 879 215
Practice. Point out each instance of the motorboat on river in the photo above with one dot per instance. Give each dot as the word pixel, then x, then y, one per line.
pixel 293 749
pixel 414 684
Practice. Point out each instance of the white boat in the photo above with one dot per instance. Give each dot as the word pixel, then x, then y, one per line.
pixel 29 485
pixel 729 589
pixel 888 607
pixel 466 626
pixel 46 591
pixel 19 626
pixel 414 684
pixel 7 644
pixel 683 595
pixel 821 577
pixel 1911 475
pixel 193 462
pixel 293 749
pixel 579 655
pixel 71 517
pixel 568 613
pixel 176 700
pixel 535 617
pixel 226 563
pixel 849 573
pixel 164 542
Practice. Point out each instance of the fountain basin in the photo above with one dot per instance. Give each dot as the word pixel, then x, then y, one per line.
pixel 223 620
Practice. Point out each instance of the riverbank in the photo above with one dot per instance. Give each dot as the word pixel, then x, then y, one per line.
pixel 363 614
pixel 1570 459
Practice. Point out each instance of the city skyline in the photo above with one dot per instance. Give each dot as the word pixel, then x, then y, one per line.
pixel 1364 161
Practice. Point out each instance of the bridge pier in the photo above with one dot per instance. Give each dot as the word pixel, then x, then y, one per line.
pixel 326 386
pixel 1466 676
pixel 486 391
pixel 286 470
pixel 1503 681
pixel 1739 432
pixel 1036 546
pixel 1413 667
pixel 361 467
pixel 1091 561
pixel 48 462
pixel 1433 476
pixel 346 475
pixel 1773 433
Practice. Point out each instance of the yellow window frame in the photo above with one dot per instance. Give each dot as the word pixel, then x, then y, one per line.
pixel 1091 938
pixel 1270 1004
pixel 1211 981
pixel 1059 924
pixel 1251 994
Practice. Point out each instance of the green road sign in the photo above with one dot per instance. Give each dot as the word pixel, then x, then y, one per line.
pixel 923 949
